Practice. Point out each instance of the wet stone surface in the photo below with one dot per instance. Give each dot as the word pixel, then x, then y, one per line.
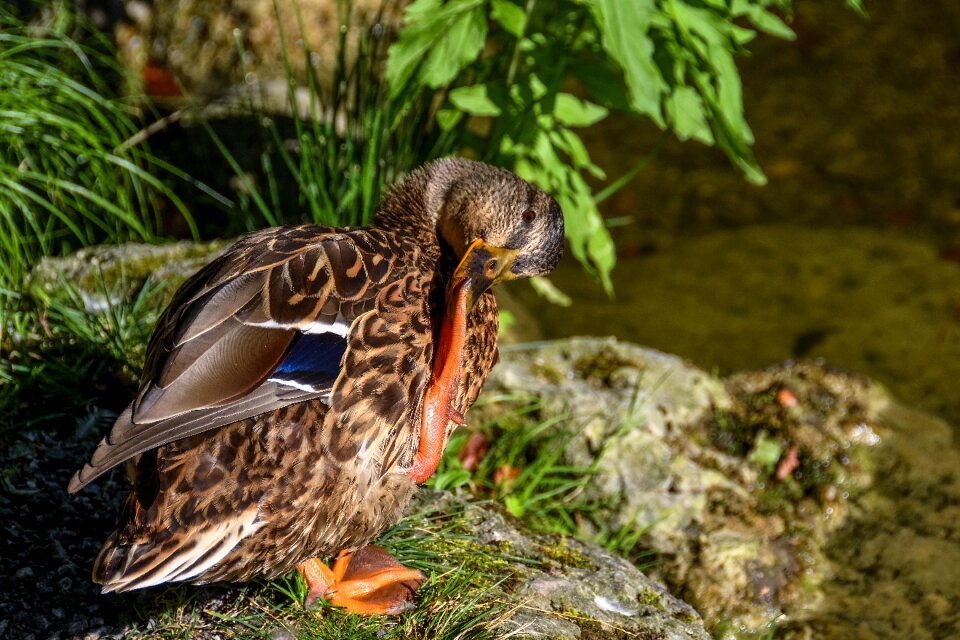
pixel 795 494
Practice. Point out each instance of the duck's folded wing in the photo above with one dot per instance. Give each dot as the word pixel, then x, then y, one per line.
pixel 263 326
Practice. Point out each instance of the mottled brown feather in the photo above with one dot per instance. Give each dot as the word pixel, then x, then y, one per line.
pixel 200 361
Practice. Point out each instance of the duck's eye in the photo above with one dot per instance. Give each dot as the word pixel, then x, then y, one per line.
pixel 529 216
pixel 491 267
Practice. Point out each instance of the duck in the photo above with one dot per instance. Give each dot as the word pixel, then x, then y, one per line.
pixel 299 388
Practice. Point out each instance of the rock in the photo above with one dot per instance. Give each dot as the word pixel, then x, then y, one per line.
pixel 562 588
pixel 106 275
pixel 626 404
pixel 694 462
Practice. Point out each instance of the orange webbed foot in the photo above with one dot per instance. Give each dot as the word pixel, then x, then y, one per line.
pixel 368 581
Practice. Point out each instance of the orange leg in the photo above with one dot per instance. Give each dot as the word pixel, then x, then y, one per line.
pixel 442 387
pixel 368 581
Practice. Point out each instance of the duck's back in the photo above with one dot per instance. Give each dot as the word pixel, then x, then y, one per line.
pixel 261 494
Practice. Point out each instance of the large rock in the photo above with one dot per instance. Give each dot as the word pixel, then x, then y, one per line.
pixel 768 497
pixel 691 462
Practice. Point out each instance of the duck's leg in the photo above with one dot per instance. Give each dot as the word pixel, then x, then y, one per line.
pixel 368 581
pixel 437 411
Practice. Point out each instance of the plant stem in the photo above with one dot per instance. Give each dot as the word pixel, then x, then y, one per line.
pixel 623 180
pixel 515 59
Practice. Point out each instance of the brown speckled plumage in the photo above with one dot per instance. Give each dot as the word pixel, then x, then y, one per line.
pixel 280 410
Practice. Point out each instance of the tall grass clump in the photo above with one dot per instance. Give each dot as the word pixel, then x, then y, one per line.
pixel 66 178
pixel 343 140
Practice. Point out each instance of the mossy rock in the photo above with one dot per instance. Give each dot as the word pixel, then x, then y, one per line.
pixel 106 275
pixel 557 587
pixel 701 466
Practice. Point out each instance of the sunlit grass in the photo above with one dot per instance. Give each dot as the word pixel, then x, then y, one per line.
pixel 343 141
pixel 66 178
pixel 524 470
pixel 458 600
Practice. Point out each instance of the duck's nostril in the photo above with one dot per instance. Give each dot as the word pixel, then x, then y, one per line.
pixel 491 267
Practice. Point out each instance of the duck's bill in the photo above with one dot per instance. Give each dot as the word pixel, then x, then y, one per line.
pixel 483 265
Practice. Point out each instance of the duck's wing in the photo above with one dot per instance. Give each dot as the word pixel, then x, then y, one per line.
pixel 263 326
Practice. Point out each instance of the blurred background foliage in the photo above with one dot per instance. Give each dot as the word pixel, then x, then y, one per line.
pixel 506 82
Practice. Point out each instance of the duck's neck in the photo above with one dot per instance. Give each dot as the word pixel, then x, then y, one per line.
pixel 411 207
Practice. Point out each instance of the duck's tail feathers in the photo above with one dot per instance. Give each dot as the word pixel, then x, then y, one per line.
pixel 179 558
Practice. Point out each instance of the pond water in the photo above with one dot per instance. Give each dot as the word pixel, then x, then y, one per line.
pixel 849 254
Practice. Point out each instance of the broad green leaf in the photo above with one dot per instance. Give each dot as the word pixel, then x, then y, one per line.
pixel 437 41
pixel 589 238
pixel 574 112
pixel 602 84
pixel 729 92
pixel 686 115
pixel 602 252
pixel 711 27
pixel 511 17
pixel 459 46
pixel 740 8
pixel 413 43
pixel 548 290
pixel 573 146
pixel 624 25
pixel 474 100
pixel 727 136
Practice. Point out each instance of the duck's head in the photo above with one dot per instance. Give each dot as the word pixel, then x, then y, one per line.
pixel 498 226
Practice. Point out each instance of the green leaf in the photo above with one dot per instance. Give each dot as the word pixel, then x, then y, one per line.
pixel 624 26
pixel 574 112
pixel 549 291
pixel 474 100
pixel 590 241
pixel 447 119
pixel 436 42
pixel 511 17
pixel 537 88
pixel 569 142
pixel 687 116
pixel 729 92
pixel 770 23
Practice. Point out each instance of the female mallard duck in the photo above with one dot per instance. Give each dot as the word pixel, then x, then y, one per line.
pixel 299 387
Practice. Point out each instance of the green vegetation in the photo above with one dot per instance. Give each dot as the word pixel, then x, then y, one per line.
pixel 507 82
pixel 523 470
pixel 66 179
pixel 540 70
pixel 456 600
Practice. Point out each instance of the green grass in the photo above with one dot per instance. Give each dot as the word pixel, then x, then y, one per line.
pixel 458 600
pixel 62 359
pixel 66 178
pixel 347 140
pixel 546 494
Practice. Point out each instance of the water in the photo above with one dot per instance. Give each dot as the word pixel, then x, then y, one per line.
pixel 849 254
